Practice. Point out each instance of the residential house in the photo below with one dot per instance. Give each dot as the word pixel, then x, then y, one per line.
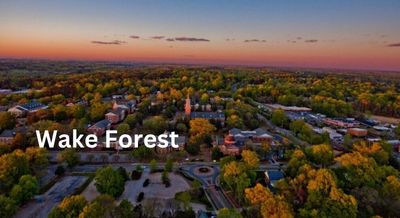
pixel 7 137
pixel 116 115
pixel 24 109
pixel 100 127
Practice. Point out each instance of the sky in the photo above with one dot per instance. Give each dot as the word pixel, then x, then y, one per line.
pixel 345 34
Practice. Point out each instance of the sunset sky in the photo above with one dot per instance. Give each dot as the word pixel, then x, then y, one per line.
pixel 356 34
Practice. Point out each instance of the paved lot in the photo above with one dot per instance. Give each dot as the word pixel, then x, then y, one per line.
pixel 42 205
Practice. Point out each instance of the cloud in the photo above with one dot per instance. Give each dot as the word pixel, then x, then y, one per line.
pixel 394 45
pixel 291 41
pixel 170 39
pixel 191 39
pixel 229 39
pixel 115 42
pixel 157 37
pixel 134 37
pixel 311 40
pixel 255 40
pixel 299 38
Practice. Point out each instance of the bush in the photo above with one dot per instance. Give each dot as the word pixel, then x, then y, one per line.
pixel 123 173
pixel 146 183
pixel 136 175
pixel 140 197
pixel 60 170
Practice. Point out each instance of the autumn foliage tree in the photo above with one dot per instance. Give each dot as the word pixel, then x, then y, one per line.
pixel 268 204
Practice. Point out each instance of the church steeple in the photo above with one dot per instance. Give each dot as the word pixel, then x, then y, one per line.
pixel 188 107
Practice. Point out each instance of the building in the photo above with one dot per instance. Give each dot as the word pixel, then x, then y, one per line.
pixel 357 132
pixel 100 127
pixel 236 139
pixel 287 108
pixel 115 116
pixel 7 137
pixel 217 116
pixel 339 123
pixel 24 109
pixel 272 177
pixel 129 106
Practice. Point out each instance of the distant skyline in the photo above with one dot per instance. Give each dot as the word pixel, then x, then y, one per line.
pixel 352 34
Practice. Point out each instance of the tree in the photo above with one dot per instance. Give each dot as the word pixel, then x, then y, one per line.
pixel 321 154
pixel 97 111
pixel 155 125
pixel 12 167
pixel 123 128
pixel 250 158
pixel 38 158
pixel 26 188
pixel 69 156
pixel 391 196
pixel 185 198
pixel 143 153
pixel 7 207
pixel 169 165
pixel 7 121
pixel 165 178
pixel 125 210
pixel 228 213
pixel 71 206
pixel 269 205
pixel 102 206
pixel 279 118
pixel 123 173
pixel 216 153
pixel 200 127
pixel 153 166
pixel 109 181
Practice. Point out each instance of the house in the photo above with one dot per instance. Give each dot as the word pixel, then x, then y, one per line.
pixel 237 138
pixel 116 115
pixel 100 127
pixel 24 109
pixel 129 106
pixel 272 177
pixel 357 132
pixel 7 137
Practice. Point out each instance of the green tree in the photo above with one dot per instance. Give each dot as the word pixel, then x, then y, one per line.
pixel 169 165
pixel 26 188
pixel 109 181
pixel 69 156
pixel 12 167
pixel 153 165
pixel 228 213
pixel 7 207
pixel 123 128
pixel 185 198
pixel 279 118
pixel 124 210
pixel 142 153
pixel 155 125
